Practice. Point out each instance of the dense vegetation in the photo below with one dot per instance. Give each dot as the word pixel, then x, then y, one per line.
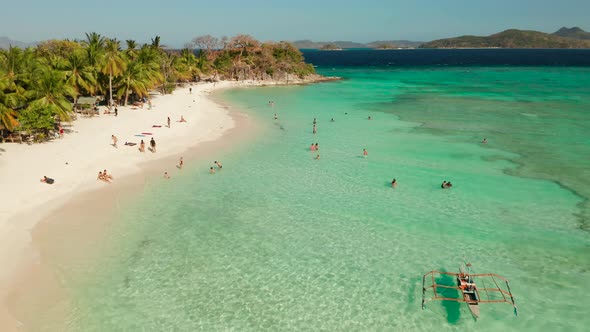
pixel 38 85
pixel 509 39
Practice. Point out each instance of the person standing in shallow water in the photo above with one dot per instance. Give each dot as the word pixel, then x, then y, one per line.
pixel 365 153
pixel 312 147
pixel 393 183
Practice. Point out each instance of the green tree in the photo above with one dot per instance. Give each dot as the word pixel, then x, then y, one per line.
pixel 49 91
pixel 114 63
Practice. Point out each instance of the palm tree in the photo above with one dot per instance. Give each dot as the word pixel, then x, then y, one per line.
pixel 131 50
pixel 114 63
pixel 49 91
pixel 188 65
pixel 138 78
pixel 94 48
pixel 80 75
pixel 7 104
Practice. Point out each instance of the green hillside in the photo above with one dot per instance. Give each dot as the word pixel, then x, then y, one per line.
pixel 510 39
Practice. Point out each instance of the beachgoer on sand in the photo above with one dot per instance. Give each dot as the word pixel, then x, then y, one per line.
pixel 182 119
pixel 166 176
pixel 116 111
pixel 153 145
pixel 142 146
pixel 168 122
pixel 115 140
pixel 181 163
pixel 47 180
pixel 106 175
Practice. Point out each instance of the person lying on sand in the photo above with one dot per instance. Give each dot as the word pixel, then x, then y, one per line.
pixel 182 119
pixel 47 180
pixel 130 143
pixel 102 177
pixel 107 176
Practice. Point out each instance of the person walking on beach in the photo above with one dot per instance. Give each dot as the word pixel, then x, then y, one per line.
pixel 153 145
pixel 142 146
pixel 168 122
pixel 181 163
pixel 116 111
pixel 190 90
pixel 115 140
pixel 365 153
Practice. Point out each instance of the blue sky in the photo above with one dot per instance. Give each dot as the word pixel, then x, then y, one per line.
pixel 178 21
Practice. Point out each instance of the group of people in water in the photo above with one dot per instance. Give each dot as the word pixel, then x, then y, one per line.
pixel 219 167
pixel 315 147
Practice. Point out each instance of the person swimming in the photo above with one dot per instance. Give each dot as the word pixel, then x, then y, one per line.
pixel 446 185
pixel 443 185
pixel 332 120
pixel 317 157
pixel 484 141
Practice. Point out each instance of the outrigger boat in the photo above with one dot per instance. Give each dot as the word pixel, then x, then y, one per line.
pixel 466 287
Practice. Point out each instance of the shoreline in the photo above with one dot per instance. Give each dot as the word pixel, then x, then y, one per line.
pixel 35 205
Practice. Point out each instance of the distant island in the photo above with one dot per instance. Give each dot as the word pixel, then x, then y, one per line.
pixel 331 47
pixel 379 44
pixel 513 38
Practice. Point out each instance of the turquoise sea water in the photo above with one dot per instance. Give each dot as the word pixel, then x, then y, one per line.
pixel 278 241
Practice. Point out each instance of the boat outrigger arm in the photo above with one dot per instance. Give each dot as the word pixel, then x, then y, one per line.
pixel 471 294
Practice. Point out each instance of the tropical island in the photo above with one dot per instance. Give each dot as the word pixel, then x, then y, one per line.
pixel 40 86
pixel 514 38
pixel 331 47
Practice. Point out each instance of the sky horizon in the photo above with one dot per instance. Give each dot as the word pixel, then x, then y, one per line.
pixel 370 20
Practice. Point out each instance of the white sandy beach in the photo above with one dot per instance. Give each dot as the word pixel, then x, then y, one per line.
pixel 75 160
